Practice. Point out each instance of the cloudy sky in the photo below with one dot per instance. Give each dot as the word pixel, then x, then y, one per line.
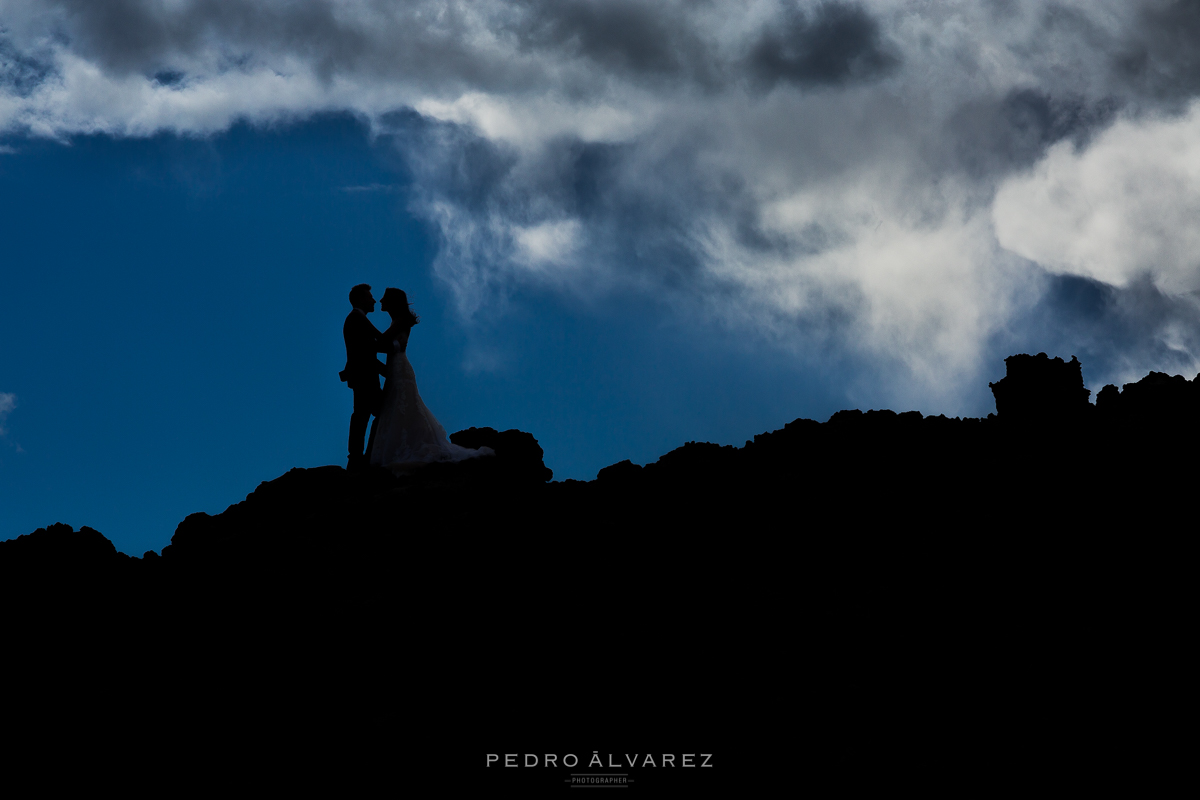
pixel 626 224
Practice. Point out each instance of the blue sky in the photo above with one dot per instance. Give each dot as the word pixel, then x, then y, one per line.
pixel 173 309
pixel 625 224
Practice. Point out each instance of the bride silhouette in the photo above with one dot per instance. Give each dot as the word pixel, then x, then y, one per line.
pixel 407 434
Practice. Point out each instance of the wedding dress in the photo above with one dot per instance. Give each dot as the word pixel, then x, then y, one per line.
pixel 406 432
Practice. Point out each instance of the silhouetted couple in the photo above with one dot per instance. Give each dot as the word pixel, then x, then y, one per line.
pixel 405 433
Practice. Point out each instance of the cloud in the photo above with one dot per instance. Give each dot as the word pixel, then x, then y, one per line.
pixel 8 401
pixel 1160 57
pixel 900 183
pixel 997 135
pixel 1123 208
pixel 657 40
pixel 21 72
pixel 834 43
pixel 548 244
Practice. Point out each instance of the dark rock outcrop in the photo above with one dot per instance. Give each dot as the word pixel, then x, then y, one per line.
pixel 887 569
pixel 60 546
pixel 519 450
pixel 623 473
pixel 1041 389
pixel 1156 401
pixel 335 538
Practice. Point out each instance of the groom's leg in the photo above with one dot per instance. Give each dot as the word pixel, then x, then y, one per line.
pixel 373 404
pixel 358 422
pixel 371 439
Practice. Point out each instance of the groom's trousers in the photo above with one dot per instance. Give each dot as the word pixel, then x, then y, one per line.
pixel 366 405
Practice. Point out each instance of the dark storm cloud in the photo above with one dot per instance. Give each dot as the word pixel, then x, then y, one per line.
pixel 140 35
pixel 833 44
pixel 1161 56
pixel 993 136
pixel 423 40
pixel 656 39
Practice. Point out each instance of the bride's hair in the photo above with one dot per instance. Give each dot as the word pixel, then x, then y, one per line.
pixel 395 302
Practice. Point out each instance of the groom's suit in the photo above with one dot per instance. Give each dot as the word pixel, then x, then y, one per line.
pixel 363 341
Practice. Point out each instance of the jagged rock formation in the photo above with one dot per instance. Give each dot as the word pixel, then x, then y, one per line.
pixel 1047 460
pixel 1041 388
pixel 58 546
pixel 886 572
pixel 1157 400
pixel 519 450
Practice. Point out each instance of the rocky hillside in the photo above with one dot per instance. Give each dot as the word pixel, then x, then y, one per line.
pixel 1048 464
pixel 881 596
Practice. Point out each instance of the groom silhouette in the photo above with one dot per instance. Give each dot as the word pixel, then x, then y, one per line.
pixel 363 367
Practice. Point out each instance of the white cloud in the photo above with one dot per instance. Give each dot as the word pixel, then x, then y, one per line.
pixel 1124 207
pixel 549 244
pixel 84 98
pixel 923 282
pixel 530 121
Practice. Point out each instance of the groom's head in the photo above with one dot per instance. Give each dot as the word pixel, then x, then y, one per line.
pixel 360 297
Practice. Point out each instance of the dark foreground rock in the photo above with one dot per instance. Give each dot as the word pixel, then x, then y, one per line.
pixel 878 584
pixel 1049 465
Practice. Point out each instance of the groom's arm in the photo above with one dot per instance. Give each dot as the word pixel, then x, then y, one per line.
pixel 380 344
pixel 363 341
pixel 367 336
